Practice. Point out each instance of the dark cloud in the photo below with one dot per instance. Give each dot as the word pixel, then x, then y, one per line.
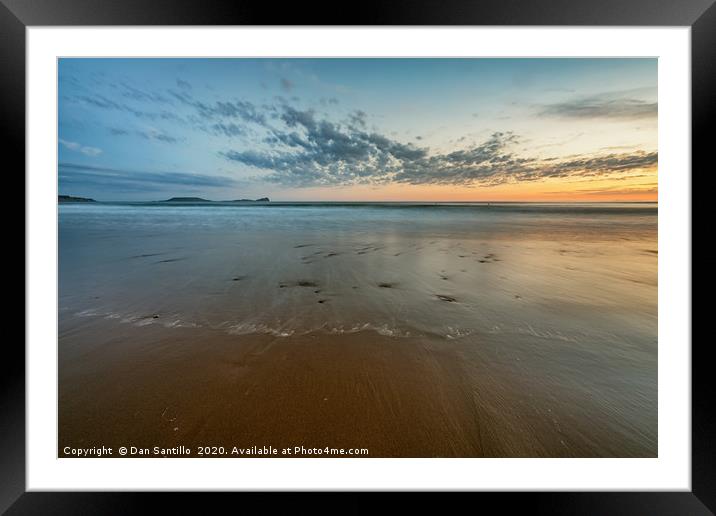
pixel 148 134
pixel 492 163
pixel 317 151
pixel 604 164
pixel 358 118
pixel 144 106
pixel 228 129
pixel 117 179
pixel 602 106
pixel 99 101
pixel 102 102
pixel 222 117
pixel 312 151
pixel 158 136
pixel 130 92
pixel 236 110
pixel 489 163
pixel 183 84
pixel 287 85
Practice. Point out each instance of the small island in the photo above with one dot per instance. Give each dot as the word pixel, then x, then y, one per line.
pixel 69 198
pixel 262 199
pixel 186 199
pixel 199 199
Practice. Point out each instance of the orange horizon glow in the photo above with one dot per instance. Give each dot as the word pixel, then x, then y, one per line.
pixel 640 188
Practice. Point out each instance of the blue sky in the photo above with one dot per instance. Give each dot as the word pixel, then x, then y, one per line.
pixel 391 129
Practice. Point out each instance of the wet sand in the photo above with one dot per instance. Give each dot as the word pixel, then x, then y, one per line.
pixel 366 391
pixel 445 332
pixel 396 397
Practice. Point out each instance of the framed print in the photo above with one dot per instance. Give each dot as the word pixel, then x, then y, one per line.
pixel 415 250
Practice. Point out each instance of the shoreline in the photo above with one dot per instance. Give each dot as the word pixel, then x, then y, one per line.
pixel 395 397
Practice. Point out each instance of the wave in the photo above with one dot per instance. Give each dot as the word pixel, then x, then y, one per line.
pixel 260 328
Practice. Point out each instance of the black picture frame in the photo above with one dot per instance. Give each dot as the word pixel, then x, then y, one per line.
pixel 700 15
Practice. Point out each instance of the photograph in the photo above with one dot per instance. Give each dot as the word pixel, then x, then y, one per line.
pixel 357 257
pixel 392 247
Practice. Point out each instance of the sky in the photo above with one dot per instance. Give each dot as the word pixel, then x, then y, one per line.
pixel 359 129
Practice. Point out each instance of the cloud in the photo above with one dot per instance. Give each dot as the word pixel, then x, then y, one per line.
pixel 157 135
pixel 237 109
pixel 294 146
pixel 616 192
pixel 134 180
pixel 608 105
pixel 311 152
pixel 102 102
pixel 358 118
pixel 148 134
pixel 221 117
pixel 318 151
pixel 229 118
pixel 603 164
pixel 77 147
pixel 228 129
pixel 132 93
pixel 286 85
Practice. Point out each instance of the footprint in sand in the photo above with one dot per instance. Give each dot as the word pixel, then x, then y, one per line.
pixel 146 255
pixel 489 258
pixel 301 283
pixel 171 260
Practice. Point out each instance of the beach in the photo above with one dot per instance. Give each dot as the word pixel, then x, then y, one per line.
pixel 409 330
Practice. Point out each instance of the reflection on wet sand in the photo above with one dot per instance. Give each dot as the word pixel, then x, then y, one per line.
pixel 454 331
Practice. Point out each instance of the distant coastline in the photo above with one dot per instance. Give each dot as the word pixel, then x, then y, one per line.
pixel 69 198
pixel 419 203
pixel 199 199
pixel 575 208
